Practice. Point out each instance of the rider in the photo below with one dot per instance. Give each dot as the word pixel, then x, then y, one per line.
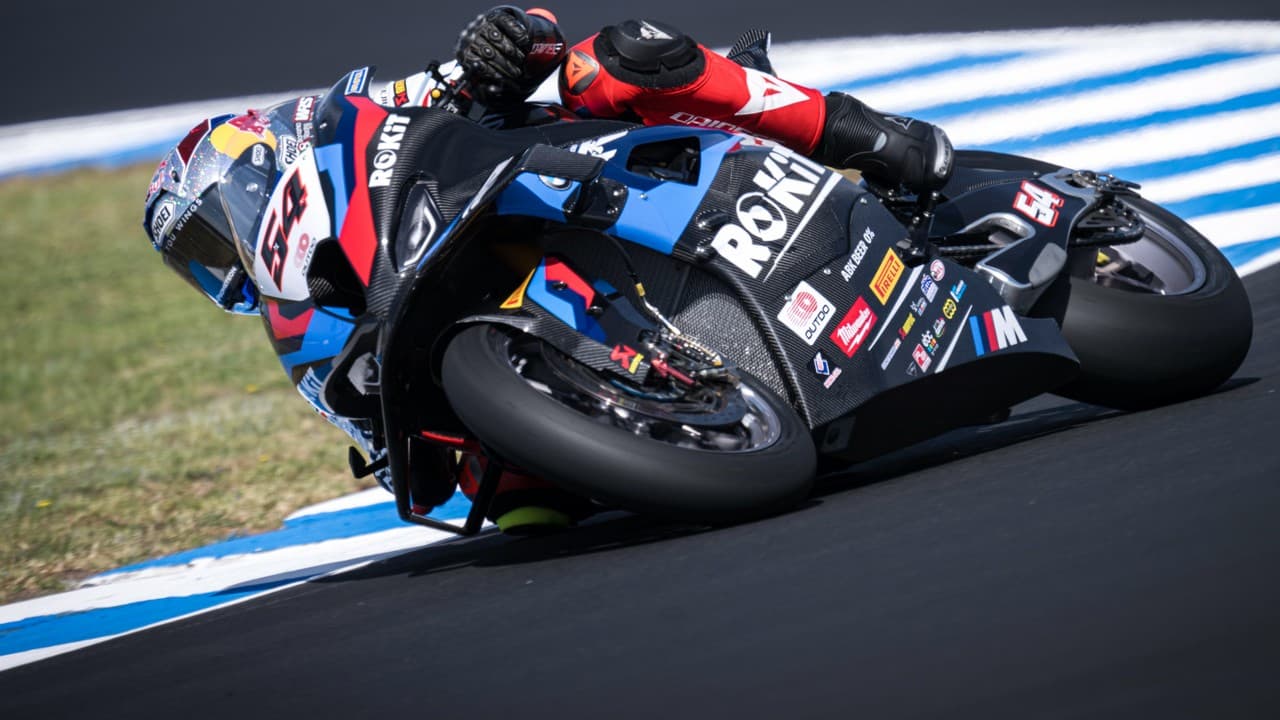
pixel 640 70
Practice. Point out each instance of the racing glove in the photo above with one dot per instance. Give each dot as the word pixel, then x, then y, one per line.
pixel 888 149
pixel 508 53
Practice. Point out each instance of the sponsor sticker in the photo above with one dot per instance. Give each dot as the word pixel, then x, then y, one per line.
pixel 929 288
pixel 835 373
pixel 288 151
pixel 918 305
pixel 356 82
pixel 160 221
pixel 907 325
pixel 886 277
pixel 303 110
pixel 957 291
pixel 893 349
pixel 807 313
pixel 937 271
pixel 386 153
pixel 627 358
pixel 949 309
pixel 995 330
pixel 789 182
pixel 1038 203
pixel 921 357
pixel 859 252
pixel 400 92
pixel 939 327
pixel 930 344
pixel 854 327
pixel 821 366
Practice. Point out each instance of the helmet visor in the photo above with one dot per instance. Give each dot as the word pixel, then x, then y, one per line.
pixel 200 249
pixel 246 191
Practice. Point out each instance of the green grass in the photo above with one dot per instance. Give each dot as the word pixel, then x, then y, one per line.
pixel 138 419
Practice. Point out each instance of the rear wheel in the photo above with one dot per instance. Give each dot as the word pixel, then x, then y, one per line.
pixel 1158 320
pixel 743 455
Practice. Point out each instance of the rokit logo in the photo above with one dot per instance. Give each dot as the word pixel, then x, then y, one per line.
pixel 854 327
pixel 786 182
pixel 806 312
pixel 384 160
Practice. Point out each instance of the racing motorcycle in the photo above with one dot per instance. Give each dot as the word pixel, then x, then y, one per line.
pixel 692 322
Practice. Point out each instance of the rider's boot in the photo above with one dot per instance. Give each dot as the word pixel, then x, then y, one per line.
pixel 887 149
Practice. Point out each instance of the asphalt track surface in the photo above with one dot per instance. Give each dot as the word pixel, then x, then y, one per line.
pixel 1073 562
pixel 70 57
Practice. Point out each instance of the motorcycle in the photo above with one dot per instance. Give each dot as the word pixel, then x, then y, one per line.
pixel 694 322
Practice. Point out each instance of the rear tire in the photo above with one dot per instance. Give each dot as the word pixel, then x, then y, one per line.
pixel 590 455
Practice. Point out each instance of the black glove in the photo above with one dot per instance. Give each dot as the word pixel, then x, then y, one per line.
pixel 508 54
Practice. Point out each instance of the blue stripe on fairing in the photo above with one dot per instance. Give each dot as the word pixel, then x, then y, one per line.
pixel 1183 165
pixel 1031 143
pixel 916 72
pixel 936 113
pixel 48 630
pixel 330 159
pixel 1244 252
pixel 1239 199
pixel 325 337
pixel 306 530
pixel 976 330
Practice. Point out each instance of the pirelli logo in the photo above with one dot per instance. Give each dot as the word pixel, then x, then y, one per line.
pixel 886 277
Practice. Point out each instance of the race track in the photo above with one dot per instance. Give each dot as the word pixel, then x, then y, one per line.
pixel 1072 562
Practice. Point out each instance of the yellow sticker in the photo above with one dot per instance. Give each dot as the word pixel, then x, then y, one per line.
pixel 949 309
pixel 886 277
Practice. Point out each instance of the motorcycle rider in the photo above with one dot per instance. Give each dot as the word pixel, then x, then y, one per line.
pixel 640 70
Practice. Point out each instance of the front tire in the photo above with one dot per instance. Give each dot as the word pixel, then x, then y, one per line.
pixel 500 383
pixel 1140 348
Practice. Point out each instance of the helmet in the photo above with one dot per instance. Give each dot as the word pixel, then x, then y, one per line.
pixel 189 220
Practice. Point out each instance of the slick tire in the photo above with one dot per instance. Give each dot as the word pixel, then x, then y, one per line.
pixel 1140 350
pixel 529 427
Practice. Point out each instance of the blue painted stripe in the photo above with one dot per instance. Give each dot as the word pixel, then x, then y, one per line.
pixel 47 630
pixel 1030 143
pixel 308 529
pixel 915 72
pixel 1244 252
pixel 1239 199
pixel 935 113
pixel 1183 165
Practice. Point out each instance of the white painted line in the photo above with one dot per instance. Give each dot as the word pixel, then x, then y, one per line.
pixel 1260 170
pixel 1171 92
pixel 1261 262
pixel 364 498
pixel 1020 75
pixel 1225 229
pixel 1167 141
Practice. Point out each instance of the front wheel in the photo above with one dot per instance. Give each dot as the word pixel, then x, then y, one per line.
pixel 744 457
pixel 1158 320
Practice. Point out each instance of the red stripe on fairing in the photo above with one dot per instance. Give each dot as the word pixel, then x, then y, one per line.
pixel 991 331
pixel 559 272
pixel 283 327
pixel 357 237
